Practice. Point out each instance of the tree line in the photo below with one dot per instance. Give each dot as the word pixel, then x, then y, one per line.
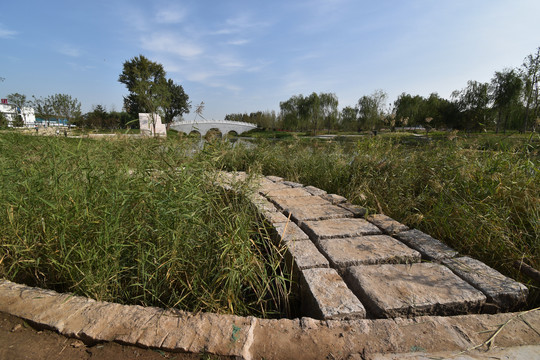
pixel 510 101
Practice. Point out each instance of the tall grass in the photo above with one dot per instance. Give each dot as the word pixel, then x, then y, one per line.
pixel 480 195
pixel 133 221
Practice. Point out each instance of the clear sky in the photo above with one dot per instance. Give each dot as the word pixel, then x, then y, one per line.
pixel 243 56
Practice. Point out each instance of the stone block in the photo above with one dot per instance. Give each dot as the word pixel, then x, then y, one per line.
pixel 325 296
pixel 404 290
pixel 314 191
pixel 287 192
pixel 293 184
pixel 274 217
pixel 304 255
pixel 334 198
pixel 261 203
pixel 338 228
pixel 358 211
pixel 268 186
pixel 500 290
pixel 297 202
pixel 317 212
pixel 430 248
pixel 288 232
pixel 367 250
pixel 386 224
pixel 274 178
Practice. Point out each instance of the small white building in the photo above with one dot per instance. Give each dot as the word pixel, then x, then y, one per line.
pixel 11 111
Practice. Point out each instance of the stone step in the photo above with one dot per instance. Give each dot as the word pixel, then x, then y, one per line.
pixel 505 293
pixel 387 224
pixel 325 296
pixel 405 290
pixel 305 255
pixel 338 228
pixel 367 250
pixel 430 248
pixel 284 203
pixel 317 212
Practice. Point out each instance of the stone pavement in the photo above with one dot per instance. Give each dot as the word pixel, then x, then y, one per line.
pixel 356 265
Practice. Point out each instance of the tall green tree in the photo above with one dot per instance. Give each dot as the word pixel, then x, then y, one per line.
pixel 349 118
pixel 506 91
pixel 66 107
pixel 19 102
pixel 473 103
pixel 530 71
pixel 178 103
pixel 371 110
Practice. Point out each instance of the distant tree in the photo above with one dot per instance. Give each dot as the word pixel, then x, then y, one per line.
pixel 530 72
pixel 329 109
pixel 371 110
pixel 43 107
pixel 349 118
pixel 178 102
pixel 506 91
pixel 65 107
pixel 19 102
pixel 473 104
pixel 147 86
pixel 3 121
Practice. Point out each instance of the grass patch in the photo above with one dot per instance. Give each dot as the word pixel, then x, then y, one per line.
pixel 135 221
pixel 478 193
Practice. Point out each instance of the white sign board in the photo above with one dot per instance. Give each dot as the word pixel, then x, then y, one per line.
pixel 148 123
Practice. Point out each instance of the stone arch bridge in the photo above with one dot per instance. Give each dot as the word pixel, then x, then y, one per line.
pixel 202 127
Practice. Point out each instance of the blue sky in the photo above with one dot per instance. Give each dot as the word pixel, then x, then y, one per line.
pixel 244 56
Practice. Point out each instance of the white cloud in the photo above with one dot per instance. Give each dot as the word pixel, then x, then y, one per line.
pixel 7 34
pixel 69 50
pixel 170 43
pixel 170 16
pixel 238 42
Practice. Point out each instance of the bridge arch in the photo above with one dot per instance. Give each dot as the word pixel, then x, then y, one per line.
pixel 203 127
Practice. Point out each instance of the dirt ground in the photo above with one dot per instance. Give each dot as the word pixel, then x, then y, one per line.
pixel 19 340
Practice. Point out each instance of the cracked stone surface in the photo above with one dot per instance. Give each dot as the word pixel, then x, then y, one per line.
pixel 367 250
pixel 397 290
pixel 430 248
pixel 338 228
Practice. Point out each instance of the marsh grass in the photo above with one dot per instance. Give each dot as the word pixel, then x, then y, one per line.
pixel 135 222
pixel 479 194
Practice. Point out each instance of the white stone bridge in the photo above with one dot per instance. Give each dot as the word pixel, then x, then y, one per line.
pixel 203 126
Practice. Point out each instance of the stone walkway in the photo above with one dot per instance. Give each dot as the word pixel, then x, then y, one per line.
pixel 354 265
pixel 365 281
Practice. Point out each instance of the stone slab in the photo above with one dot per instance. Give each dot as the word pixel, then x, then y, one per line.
pixel 500 290
pixel 326 296
pixel 305 255
pixel 405 290
pixel 293 184
pixel 338 228
pixel 334 198
pixel 296 202
pixel 317 212
pixel 430 248
pixel 367 250
pixel 387 224
pixel 314 190
pixel 274 217
pixel 261 203
pixel 358 211
pixel 288 232
pixel 287 192
pixel 274 178
pixel 267 186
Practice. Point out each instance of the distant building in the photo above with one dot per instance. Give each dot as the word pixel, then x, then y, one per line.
pixel 11 111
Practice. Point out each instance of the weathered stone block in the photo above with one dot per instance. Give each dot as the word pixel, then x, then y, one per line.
pixel 338 228
pixel 314 190
pixel 358 211
pixel 305 255
pixel 325 296
pixel 274 178
pixel 500 290
pixel 274 217
pixel 287 192
pixel 261 203
pixel 334 198
pixel 430 248
pixel 394 290
pixel 317 212
pixel 268 186
pixel 366 250
pixel 297 202
pixel 288 232
pixel 386 224
pixel 293 184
